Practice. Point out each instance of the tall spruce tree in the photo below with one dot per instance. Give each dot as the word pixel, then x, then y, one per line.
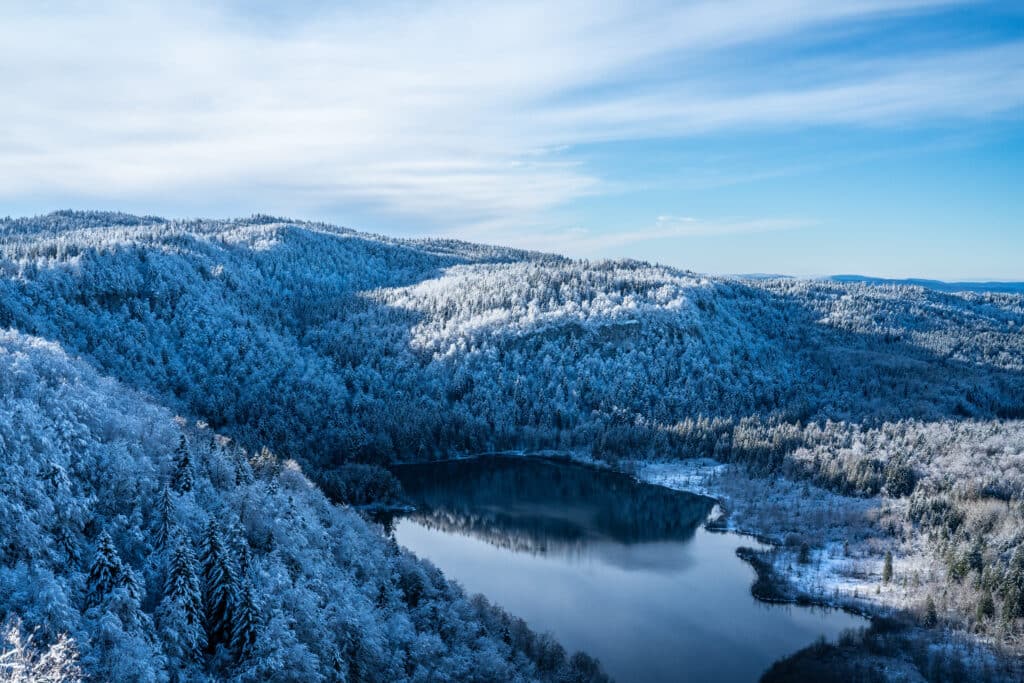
pixel 243 553
pixel 65 538
pixel 181 610
pixel 184 478
pixel 164 519
pixel 246 616
pixel 1013 587
pixel 106 572
pixel 221 587
pixel 131 584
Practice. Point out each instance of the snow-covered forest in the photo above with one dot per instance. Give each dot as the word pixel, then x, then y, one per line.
pixel 137 547
pixel 307 350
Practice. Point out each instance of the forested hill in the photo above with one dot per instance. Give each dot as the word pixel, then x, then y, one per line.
pixel 329 345
pixel 136 548
pixel 166 548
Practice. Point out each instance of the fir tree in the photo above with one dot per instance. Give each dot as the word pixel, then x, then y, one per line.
pixel 976 555
pixel 931 613
pixel 165 519
pixel 66 539
pixel 887 567
pixel 106 571
pixel 131 584
pixel 221 587
pixel 986 607
pixel 184 478
pixel 1013 587
pixel 181 611
pixel 246 618
pixel 243 553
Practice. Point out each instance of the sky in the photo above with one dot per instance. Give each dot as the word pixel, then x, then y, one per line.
pixel 881 137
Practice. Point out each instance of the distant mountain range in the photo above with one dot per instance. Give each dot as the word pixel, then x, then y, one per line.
pixel 938 285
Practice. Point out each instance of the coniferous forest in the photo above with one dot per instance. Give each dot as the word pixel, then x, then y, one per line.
pixel 192 414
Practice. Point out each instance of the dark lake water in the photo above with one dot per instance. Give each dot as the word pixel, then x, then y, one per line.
pixel 621 570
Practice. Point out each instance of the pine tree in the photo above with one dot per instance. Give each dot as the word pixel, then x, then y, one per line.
pixel 106 572
pixel 242 551
pixel 931 613
pixel 181 611
pixel 165 519
pixel 131 584
pixel 66 539
pixel 243 633
pixel 183 479
pixel 887 567
pixel 1013 587
pixel 986 607
pixel 221 587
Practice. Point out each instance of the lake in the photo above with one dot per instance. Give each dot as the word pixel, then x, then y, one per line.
pixel 622 570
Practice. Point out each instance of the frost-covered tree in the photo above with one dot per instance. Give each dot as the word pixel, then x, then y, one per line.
pixel 346 352
pixel 106 572
pixel 241 550
pixel 324 583
pixel 220 587
pixel 21 661
pixel 184 478
pixel 180 615
pixel 164 519
pixel 246 622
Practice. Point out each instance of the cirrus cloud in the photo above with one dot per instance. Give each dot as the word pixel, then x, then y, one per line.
pixel 462 114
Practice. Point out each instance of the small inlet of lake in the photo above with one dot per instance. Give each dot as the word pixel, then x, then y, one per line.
pixel 622 570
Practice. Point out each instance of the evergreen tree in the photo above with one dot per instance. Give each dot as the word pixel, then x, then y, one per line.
pixel 66 539
pixel 183 478
pixel 165 519
pixel 931 613
pixel 804 556
pixel 112 584
pixel 106 572
pixel 976 556
pixel 181 611
pixel 1013 587
pixel 131 584
pixel 221 587
pixel 243 553
pixel 986 607
pixel 887 567
pixel 246 616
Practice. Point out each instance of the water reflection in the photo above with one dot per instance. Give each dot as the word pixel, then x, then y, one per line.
pixel 619 569
pixel 548 507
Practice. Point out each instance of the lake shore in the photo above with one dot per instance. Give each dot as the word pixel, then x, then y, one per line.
pixel 827 550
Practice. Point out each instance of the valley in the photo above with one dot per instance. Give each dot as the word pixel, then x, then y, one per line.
pixel 843 422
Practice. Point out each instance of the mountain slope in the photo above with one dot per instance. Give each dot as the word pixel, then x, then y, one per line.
pixel 325 344
pixel 345 351
pixel 101 516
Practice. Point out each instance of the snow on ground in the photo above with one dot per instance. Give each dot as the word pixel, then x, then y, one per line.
pixel 845 543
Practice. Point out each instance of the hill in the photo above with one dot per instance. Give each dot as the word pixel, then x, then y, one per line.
pixel 158 549
pixel 319 351
pixel 328 345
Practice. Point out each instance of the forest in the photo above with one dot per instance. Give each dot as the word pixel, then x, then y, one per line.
pixel 180 398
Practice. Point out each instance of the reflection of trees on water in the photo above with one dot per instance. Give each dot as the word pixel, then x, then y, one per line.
pixel 539 506
pixel 536 536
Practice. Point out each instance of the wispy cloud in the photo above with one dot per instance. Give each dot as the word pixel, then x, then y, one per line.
pixel 465 113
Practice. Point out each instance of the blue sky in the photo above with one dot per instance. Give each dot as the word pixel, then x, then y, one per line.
pixel 789 136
